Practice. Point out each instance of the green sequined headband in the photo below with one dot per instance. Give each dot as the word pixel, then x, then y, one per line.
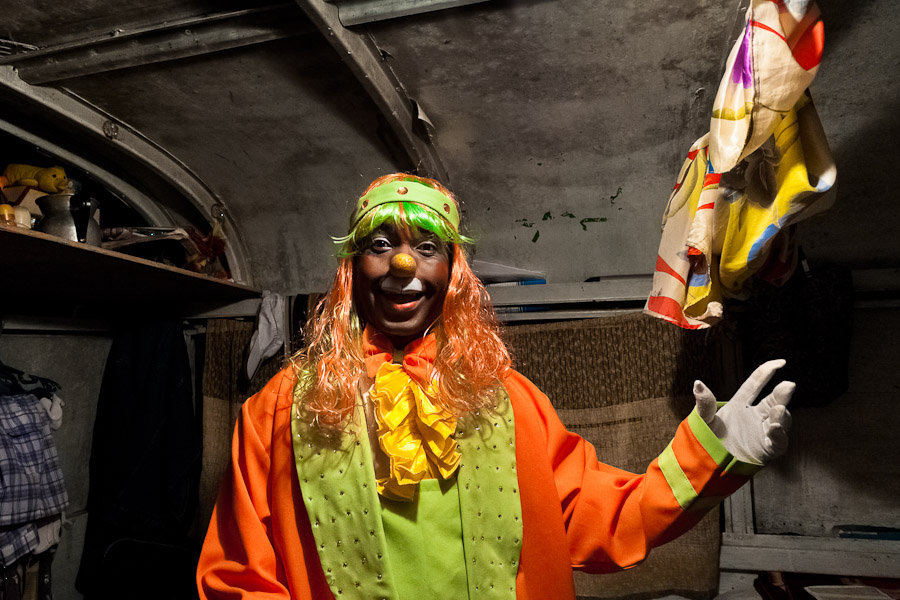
pixel 406 191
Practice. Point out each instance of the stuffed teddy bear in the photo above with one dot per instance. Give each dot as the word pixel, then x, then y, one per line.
pixel 52 180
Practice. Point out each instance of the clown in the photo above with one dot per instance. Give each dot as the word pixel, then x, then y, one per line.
pixel 400 455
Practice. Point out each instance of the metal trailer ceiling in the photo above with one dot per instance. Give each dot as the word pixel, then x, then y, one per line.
pixel 560 125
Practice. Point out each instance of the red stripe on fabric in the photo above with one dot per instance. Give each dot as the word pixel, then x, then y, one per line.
pixel 677 185
pixel 663 267
pixel 670 310
pixel 712 179
pixel 694 252
pixel 707 206
pixel 808 50
pixel 665 307
pixel 767 28
pixel 693 154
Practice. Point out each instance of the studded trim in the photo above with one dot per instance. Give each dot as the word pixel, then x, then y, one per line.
pixel 341 498
pixel 489 500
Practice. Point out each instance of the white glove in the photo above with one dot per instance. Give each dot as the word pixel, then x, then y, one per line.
pixel 751 433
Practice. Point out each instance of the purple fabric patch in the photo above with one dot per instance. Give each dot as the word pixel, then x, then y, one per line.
pixel 743 68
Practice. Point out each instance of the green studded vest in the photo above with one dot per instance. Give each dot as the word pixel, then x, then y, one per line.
pixel 340 494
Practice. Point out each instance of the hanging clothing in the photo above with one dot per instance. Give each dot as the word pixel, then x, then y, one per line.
pixel 764 166
pixel 145 463
pixel 269 336
pixel 31 481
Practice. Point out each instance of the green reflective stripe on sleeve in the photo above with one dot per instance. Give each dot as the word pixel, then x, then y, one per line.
pixel 678 482
pixel 713 445
pixel 706 437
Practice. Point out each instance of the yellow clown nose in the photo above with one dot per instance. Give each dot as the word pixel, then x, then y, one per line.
pixel 403 266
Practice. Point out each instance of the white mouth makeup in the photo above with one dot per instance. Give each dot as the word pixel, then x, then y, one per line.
pixel 402 286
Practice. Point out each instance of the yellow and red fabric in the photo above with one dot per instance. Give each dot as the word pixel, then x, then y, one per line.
pixel 683 291
pixel 764 166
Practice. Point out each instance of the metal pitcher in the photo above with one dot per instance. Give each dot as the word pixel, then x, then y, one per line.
pixel 71 217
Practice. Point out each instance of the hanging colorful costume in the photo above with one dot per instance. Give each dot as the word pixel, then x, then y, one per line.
pixel 764 166
pixel 496 500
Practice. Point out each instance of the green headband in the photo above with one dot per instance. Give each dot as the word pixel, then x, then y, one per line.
pixel 407 191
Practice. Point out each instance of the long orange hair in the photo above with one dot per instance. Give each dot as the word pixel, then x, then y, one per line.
pixel 471 358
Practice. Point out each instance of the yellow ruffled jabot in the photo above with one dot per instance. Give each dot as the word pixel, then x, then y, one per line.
pixel 412 432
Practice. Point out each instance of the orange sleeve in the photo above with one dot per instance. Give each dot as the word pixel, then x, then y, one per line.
pixel 238 559
pixel 613 517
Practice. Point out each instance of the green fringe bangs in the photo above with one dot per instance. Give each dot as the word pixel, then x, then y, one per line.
pixel 412 216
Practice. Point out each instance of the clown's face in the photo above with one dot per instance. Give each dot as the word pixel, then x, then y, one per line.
pixel 400 280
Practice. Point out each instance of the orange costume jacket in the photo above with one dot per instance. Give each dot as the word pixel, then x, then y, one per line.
pixel 575 512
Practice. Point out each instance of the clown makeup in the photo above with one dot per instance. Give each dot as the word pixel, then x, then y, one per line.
pixel 400 278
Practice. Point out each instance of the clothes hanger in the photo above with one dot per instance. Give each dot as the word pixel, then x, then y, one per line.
pixel 15 381
pixel 19 382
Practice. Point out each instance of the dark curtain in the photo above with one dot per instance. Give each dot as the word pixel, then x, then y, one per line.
pixel 144 470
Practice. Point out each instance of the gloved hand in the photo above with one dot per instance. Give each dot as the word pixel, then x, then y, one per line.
pixel 751 433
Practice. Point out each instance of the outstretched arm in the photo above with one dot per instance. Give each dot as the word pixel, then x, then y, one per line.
pixel 612 517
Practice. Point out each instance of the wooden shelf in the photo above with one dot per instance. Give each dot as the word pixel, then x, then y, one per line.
pixel 48 275
pixel 807 554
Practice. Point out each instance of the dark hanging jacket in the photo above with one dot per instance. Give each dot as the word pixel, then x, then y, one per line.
pixel 144 469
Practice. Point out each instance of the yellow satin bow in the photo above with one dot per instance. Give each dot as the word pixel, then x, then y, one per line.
pixel 412 431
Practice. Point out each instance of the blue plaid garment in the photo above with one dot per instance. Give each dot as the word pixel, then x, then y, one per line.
pixel 31 482
pixel 16 542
